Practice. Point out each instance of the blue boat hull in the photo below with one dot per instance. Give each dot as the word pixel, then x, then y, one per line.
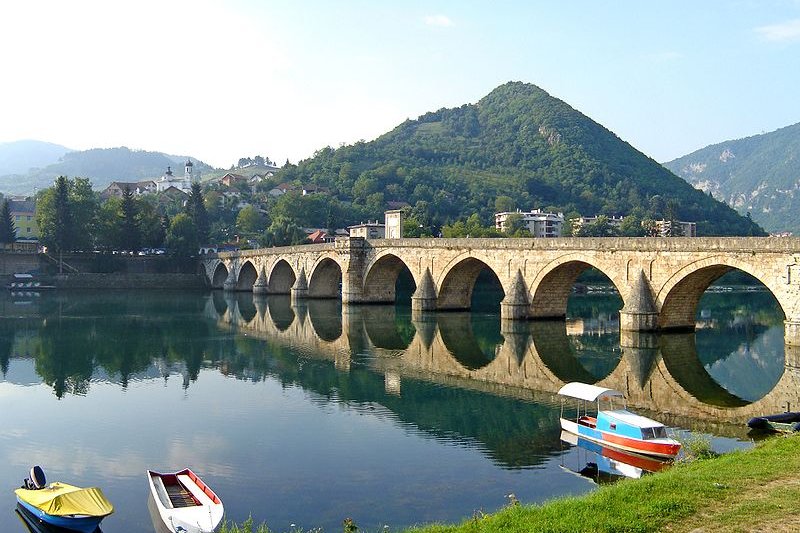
pixel 84 524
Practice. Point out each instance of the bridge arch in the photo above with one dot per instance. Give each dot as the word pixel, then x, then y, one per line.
pixel 458 337
pixel 552 287
pixel 680 295
pixel 247 277
pixel 281 278
pixel 219 276
pixel 325 280
pixel 381 278
pixel 458 282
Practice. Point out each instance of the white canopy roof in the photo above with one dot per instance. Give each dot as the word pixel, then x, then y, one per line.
pixel 590 393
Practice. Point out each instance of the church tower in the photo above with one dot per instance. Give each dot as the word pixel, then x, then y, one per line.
pixel 188 171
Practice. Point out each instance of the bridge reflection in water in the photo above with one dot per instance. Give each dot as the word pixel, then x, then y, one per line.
pixel 528 360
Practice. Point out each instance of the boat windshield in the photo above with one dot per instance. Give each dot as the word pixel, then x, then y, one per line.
pixel 659 432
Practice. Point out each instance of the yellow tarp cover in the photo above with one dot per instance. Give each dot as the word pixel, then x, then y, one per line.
pixel 60 499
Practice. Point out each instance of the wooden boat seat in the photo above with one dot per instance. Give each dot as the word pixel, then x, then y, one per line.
pixel 173 495
pixel 200 497
pixel 588 421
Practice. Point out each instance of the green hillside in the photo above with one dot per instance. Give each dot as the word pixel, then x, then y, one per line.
pixel 519 142
pixel 758 174
pixel 101 166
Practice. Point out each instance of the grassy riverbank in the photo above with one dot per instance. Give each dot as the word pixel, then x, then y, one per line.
pixel 746 490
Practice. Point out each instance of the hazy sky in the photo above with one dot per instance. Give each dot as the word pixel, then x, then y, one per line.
pixel 222 80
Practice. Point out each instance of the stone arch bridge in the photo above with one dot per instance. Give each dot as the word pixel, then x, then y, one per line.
pixel 659 280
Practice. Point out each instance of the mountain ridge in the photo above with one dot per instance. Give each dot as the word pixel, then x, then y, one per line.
pixel 101 166
pixel 758 174
pixel 21 156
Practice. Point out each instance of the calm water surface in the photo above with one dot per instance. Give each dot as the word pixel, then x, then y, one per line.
pixel 302 416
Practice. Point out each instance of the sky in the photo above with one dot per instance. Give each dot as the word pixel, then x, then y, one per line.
pixel 221 80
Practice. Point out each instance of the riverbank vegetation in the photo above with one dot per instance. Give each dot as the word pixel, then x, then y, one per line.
pixel 745 490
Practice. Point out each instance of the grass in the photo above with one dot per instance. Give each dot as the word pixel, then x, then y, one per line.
pixel 743 490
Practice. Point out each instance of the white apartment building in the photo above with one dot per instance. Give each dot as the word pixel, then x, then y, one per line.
pixel 664 228
pixel 539 223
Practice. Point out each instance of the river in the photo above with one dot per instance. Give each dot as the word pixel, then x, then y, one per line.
pixel 304 415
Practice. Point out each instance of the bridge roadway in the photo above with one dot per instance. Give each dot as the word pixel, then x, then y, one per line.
pixel 660 280
pixel 659 373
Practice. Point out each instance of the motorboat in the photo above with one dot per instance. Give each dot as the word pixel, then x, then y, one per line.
pixel 184 502
pixel 614 425
pixel 62 505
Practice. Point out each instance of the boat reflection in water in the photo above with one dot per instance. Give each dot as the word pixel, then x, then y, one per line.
pixel 35 525
pixel 602 464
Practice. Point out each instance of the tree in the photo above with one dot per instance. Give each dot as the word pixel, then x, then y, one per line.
pixel 283 232
pixel 504 204
pixel 131 233
pixel 84 205
pixel 54 216
pixel 8 232
pixel 249 220
pixel 601 227
pixel 631 226
pixel 196 209
pixel 515 226
pixel 181 240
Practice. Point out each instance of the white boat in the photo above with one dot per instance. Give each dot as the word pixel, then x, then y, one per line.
pixel 184 503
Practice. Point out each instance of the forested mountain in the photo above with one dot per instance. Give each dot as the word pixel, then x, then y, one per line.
pixel 19 157
pixel 759 175
pixel 516 142
pixel 101 166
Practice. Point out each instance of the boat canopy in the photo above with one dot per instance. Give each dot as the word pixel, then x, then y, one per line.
pixel 61 499
pixel 590 393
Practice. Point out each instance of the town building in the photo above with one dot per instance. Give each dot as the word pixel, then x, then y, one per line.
pixel 138 188
pixel 674 228
pixel 394 224
pixel 183 183
pixel 539 223
pixel 230 179
pixel 370 230
pixel 23 213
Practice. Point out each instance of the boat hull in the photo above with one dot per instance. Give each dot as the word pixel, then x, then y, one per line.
pixel 783 422
pixel 629 444
pixel 84 524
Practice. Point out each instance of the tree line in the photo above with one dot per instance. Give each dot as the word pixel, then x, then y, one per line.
pixel 71 218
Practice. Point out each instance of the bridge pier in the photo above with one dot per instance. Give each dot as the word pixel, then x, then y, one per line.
pixel 515 304
pixel 230 281
pixel 424 298
pixel 260 286
pixel 351 252
pixel 639 313
pixel 300 287
pixel 791 332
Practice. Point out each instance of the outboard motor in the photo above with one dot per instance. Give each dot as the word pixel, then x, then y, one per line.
pixel 37 480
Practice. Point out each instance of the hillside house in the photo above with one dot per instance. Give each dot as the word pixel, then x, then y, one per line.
pixel 23 213
pixel 370 230
pixel 138 188
pixel 230 179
